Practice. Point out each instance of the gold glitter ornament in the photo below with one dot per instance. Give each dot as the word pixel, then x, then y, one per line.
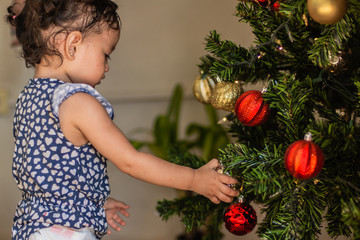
pixel 202 88
pixel 327 11
pixel 225 94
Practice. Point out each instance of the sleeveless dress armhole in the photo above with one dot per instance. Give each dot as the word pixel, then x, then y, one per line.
pixel 64 91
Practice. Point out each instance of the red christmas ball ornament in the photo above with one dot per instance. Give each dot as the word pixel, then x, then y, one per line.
pixel 251 108
pixel 304 159
pixel 240 218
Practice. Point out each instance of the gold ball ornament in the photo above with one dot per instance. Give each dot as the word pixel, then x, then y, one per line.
pixel 327 11
pixel 225 94
pixel 202 88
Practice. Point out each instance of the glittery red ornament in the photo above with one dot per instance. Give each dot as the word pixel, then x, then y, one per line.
pixel 251 109
pixel 240 218
pixel 304 159
pixel 264 3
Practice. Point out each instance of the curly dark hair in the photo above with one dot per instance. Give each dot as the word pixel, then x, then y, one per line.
pixel 41 21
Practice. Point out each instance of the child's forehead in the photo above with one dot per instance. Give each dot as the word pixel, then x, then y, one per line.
pixel 104 31
pixel 107 36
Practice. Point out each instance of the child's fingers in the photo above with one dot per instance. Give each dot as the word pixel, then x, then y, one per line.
pixel 123 212
pixel 113 225
pixel 115 221
pixel 214 199
pixel 224 197
pixel 121 205
pixel 227 179
pixel 213 163
pixel 113 203
pixel 119 220
pixel 229 191
pixel 223 194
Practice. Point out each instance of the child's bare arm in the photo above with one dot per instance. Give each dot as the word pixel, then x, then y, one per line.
pixel 83 118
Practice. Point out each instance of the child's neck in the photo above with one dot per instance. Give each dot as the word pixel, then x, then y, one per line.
pixel 48 71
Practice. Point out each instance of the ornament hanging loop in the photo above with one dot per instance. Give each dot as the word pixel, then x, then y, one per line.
pixel 241 199
pixel 264 89
pixel 308 136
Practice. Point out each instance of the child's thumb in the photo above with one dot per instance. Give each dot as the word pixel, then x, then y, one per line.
pixel 214 163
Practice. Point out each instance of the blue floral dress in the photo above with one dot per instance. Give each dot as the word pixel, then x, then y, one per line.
pixel 60 183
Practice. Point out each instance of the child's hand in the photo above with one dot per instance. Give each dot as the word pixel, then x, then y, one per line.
pixel 112 209
pixel 211 184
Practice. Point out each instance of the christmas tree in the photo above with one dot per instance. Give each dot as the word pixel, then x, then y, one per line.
pixel 296 143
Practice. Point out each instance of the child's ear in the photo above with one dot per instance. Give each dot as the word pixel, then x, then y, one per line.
pixel 73 40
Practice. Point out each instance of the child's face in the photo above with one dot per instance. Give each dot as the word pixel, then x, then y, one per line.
pixel 92 57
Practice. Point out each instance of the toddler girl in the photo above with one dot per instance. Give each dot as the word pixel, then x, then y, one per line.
pixel 63 127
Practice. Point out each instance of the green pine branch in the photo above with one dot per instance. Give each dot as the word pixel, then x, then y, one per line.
pixel 312 74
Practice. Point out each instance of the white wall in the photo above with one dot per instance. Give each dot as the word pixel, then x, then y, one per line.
pixel 160 45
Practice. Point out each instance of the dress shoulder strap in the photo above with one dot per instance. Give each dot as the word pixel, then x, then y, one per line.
pixel 63 91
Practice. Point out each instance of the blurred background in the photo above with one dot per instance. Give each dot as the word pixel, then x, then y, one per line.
pixel 160 46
